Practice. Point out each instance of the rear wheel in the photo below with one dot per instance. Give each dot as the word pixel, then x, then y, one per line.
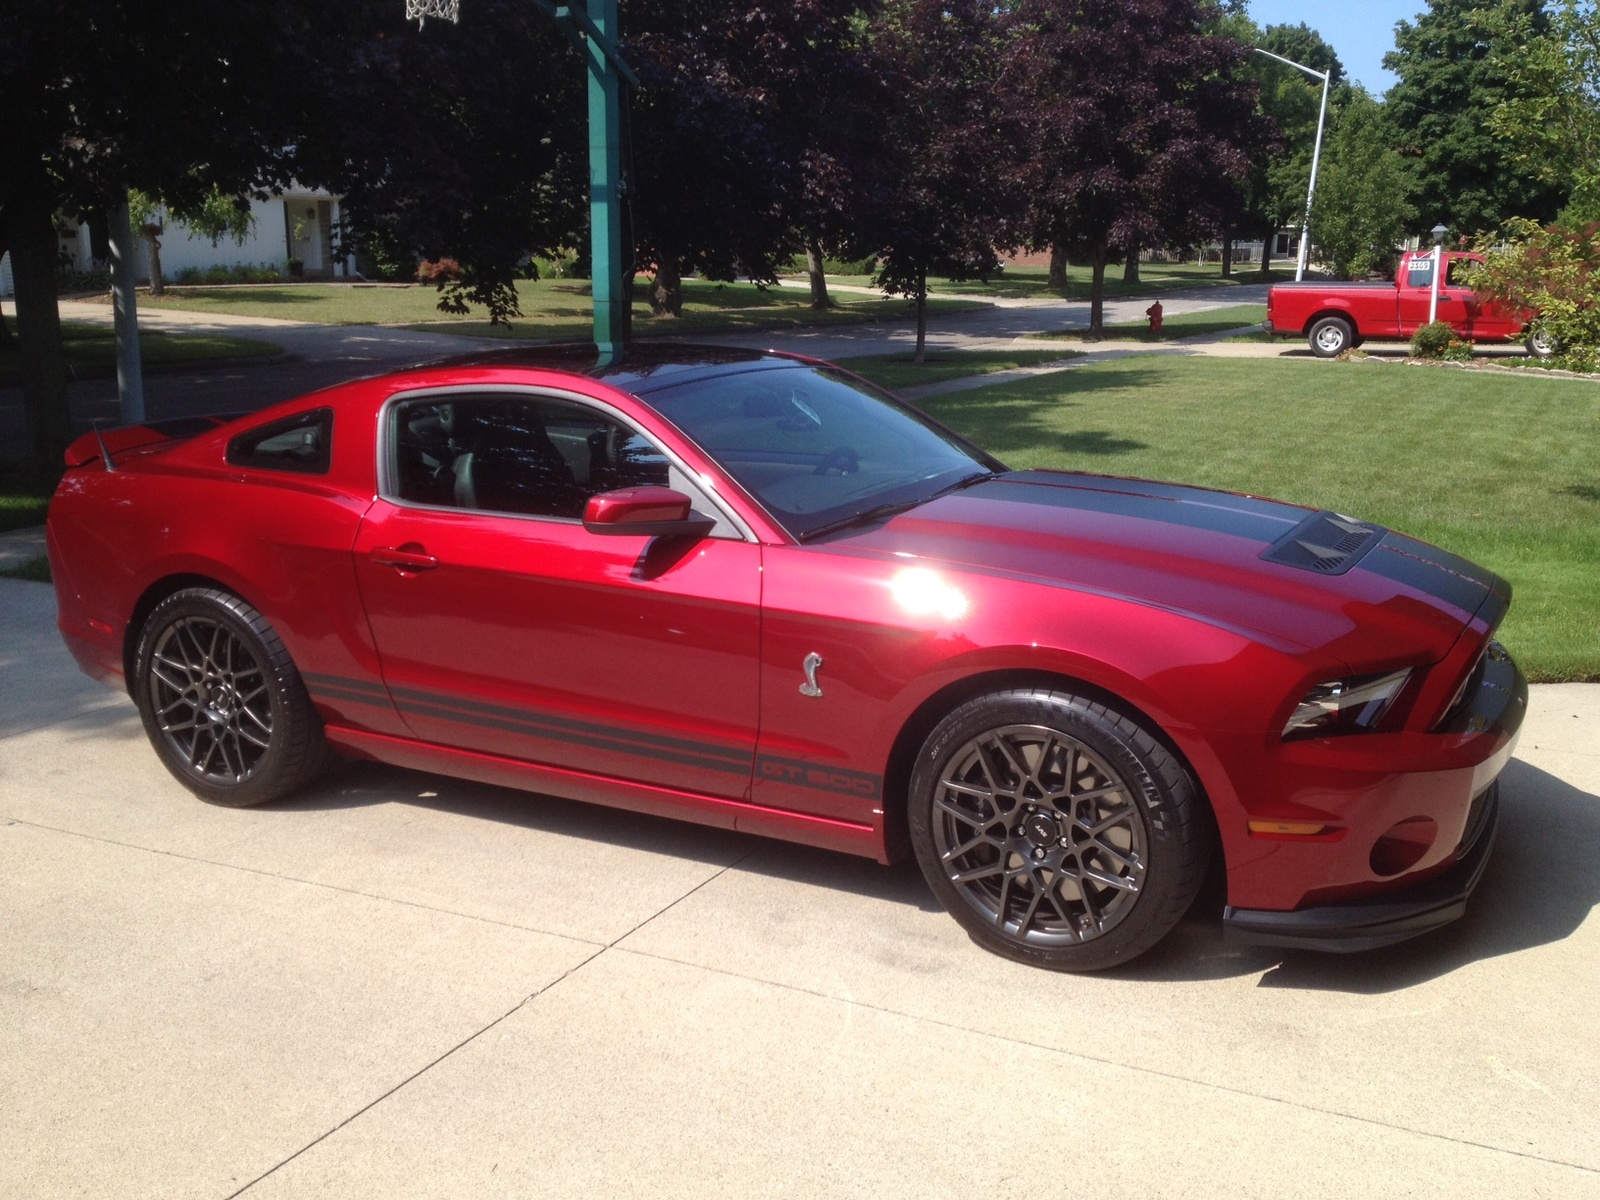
pixel 1331 337
pixel 222 702
pixel 1056 830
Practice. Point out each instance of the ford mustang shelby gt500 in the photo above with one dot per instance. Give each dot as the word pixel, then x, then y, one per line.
pixel 753 591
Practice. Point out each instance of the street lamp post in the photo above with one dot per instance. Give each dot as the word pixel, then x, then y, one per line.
pixel 1438 269
pixel 1316 154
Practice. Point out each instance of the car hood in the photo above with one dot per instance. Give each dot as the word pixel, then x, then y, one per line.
pixel 1293 576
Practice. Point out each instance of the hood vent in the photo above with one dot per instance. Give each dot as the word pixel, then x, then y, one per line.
pixel 1325 542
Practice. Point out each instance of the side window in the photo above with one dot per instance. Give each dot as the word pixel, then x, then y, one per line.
pixel 1458 270
pixel 1419 274
pixel 515 454
pixel 300 443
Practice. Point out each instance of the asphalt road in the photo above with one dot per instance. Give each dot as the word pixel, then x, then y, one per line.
pixel 399 985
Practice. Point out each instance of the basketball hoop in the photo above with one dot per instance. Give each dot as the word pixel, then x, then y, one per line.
pixel 445 10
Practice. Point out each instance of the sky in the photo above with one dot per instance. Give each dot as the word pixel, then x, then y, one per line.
pixel 1361 32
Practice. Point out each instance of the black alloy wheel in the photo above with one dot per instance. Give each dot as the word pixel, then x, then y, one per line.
pixel 221 701
pixel 1055 830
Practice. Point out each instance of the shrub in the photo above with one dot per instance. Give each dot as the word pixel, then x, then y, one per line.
pixel 439 271
pixel 1553 272
pixel 1431 341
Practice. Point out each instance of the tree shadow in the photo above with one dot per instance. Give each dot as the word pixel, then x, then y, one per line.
pixel 1098 441
pixel 1582 491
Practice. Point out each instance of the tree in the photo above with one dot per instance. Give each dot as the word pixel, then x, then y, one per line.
pixel 1134 126
pixel 1550 124
pixel 216 216
pixel 1451 79
pixel 1361 210
pixel 941 200
pixel 1552 272
pixel 101 96
pixel 725 131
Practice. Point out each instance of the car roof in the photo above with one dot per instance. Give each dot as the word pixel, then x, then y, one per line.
pixel 643 368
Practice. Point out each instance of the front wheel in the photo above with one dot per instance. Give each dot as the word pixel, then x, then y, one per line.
pixel 222 702
pixel 1057 831
pixel 1540 344
pixel 1331 337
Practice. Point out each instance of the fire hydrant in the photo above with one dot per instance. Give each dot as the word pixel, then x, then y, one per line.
pixel 1154 313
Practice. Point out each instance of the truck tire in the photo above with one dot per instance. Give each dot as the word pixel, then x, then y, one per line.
pixel 1331 336
pixel 1540 344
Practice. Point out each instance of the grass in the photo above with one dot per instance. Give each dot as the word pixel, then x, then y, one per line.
pixel 552 308
pixel 897 371
pixel 1179 325
pixel 35 570
pixel 1032 283
pixel 22 506
pixel 91 350
pixel 1503 469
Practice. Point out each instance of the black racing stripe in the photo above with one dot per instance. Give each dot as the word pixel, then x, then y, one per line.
pixel 570 725
pixel 548 730
pixel 1172 504
pixel 333 687
pixel 819 778
pixel 1432 571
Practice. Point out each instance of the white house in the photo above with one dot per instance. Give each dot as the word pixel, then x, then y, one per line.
pixel 293 233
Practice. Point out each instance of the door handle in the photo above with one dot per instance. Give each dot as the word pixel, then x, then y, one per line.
pixel 410 557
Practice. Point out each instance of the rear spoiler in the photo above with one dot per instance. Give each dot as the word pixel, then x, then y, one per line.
pixel 96 444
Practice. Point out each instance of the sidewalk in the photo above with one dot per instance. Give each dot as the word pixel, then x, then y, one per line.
pixel 400 985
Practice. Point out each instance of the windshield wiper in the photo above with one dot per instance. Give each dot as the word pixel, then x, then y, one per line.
pixel 878 512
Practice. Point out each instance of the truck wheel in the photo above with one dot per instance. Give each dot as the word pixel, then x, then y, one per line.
pixel 1331 337
pixel 1540 344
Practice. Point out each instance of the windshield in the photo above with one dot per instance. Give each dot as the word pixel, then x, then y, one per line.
pixel 815 446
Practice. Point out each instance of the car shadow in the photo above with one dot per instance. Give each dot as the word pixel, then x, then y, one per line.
pixel 1541 884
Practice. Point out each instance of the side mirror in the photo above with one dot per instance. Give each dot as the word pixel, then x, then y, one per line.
pixel 644 512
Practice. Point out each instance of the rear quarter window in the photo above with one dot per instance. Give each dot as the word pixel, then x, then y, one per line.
pixel 301 443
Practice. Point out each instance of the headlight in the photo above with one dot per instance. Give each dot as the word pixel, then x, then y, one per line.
pixel 1345 705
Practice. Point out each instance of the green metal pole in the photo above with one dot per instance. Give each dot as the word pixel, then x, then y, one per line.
pixel 605 177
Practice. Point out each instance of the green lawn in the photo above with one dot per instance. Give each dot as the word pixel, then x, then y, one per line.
pixel 22 505
pixel 1178 325
pixel 1032 283
pixel 552 308
pixel 898 371
pixel 1504 469
pixel 91 350
pixel 35 570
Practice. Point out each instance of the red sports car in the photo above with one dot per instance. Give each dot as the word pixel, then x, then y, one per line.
pixel 753 591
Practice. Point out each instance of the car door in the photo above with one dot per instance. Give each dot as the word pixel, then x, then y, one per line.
pixel 1416 298
pixel 505 627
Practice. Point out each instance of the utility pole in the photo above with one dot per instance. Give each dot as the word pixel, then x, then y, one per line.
pixel 1316 155
pixel 605 180
pixel 125 312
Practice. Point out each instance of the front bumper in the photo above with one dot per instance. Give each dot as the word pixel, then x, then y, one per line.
pixel 1384 919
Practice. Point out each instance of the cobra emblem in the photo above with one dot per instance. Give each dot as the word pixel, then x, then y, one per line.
pixel 809 666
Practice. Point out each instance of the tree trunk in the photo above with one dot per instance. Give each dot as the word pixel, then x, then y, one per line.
pixel 666 293
pixel 1058 268
pixel 1227 254
pixel 819 279
pixel 43 367
pixel 1097 292
pixel 158 285
pixel 1130 266
pixel 1266 247
pixel 921 355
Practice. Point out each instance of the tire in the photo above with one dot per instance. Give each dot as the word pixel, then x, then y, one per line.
pixel 1540 344
pixel 223 703
pixel 1331 336
pixel 1018 795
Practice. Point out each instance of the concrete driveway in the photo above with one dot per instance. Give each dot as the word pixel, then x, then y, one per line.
pixel 400 985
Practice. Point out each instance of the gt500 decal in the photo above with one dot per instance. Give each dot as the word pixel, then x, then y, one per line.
pixel 826 779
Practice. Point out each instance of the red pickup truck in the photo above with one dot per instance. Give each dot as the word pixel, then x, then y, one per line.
pixel 1335 317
